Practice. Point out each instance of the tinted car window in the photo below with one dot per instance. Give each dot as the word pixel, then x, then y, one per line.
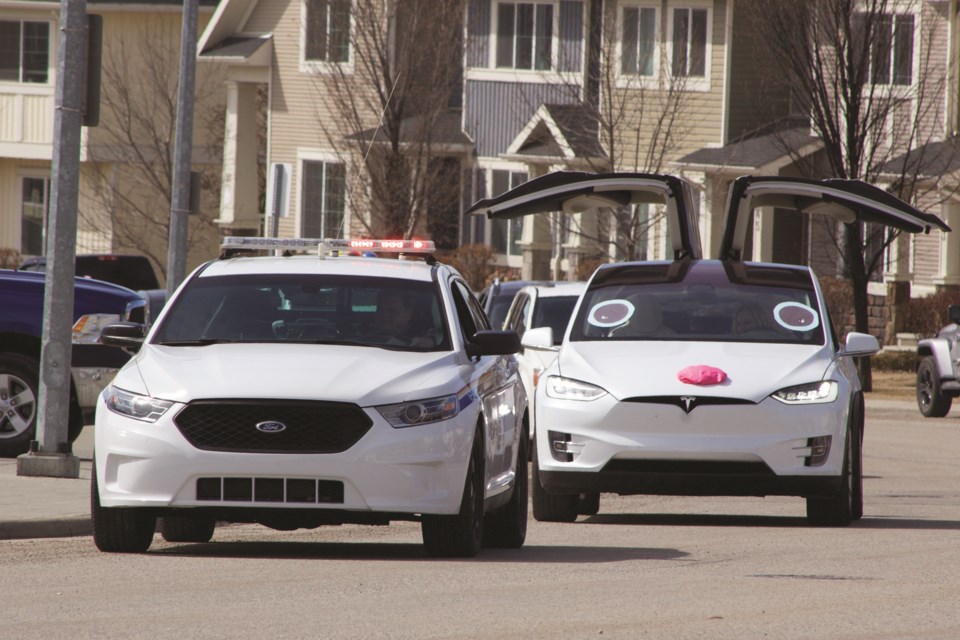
pixel 555 313
pixel 383 312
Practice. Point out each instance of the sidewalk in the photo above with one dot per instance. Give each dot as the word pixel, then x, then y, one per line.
pixel 60 507
pixel 33 507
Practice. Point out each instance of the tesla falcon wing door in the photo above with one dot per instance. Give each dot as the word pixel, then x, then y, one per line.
pixel 579 192
pixel 843 200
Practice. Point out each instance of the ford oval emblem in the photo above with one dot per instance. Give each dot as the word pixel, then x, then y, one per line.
pixel 271 426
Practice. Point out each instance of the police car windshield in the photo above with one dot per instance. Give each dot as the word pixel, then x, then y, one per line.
pixel 704 304
pixel 389 313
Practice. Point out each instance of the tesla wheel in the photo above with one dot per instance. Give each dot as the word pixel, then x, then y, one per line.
pixel 460 535
pixel 119 529
pixel 588 504
pixel 551 507
pixel 186 529
pixel 507 527
pixel 838 510
pixel 19 376
pixel 930 397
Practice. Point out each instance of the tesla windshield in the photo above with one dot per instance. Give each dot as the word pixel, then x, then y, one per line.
pixel 704 302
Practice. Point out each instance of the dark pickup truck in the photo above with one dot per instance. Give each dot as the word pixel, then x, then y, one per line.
pixel 93 365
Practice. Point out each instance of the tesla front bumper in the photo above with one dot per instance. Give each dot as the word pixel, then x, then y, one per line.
pixel 712 449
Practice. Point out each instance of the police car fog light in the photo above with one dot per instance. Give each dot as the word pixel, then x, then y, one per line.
pixel 560 446
pixel 819 451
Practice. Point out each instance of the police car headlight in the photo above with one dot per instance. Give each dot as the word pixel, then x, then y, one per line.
pixel 132 405
pixel 812 393
pixel 567 389
pixel 411 414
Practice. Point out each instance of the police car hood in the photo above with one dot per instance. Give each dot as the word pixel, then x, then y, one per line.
pixel 650 368
pixel 364 375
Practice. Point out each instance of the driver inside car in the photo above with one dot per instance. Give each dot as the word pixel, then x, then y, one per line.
pixel 398 319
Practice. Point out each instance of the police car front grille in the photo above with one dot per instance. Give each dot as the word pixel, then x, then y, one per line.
pixel 307 427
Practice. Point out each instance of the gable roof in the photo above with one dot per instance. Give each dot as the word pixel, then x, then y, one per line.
pixel 226 22
pixel 558 131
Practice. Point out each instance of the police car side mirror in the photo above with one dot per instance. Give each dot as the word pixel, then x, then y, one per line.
pixel 126 335
pixel 493 343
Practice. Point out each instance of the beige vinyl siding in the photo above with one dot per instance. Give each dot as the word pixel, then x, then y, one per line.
pixel 926 258
pixel 297 105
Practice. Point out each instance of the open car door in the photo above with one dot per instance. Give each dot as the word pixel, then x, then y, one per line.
pixel 580 192
pixel 843 200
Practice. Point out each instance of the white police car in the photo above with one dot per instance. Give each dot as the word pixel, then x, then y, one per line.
pixel 305 390
pixel 702 377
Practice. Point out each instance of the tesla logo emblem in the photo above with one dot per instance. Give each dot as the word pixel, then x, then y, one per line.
pixel 271 427
pixel 687 402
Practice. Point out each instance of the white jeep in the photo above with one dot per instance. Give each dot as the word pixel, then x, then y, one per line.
pixel 937 371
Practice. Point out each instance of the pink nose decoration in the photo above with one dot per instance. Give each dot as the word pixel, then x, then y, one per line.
pixel 701 374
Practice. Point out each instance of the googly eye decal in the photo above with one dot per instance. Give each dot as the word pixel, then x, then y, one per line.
pixel 611 313
pixel 796 317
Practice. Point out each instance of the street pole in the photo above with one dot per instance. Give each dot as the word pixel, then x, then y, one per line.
pixel 50 454
pixel 183 151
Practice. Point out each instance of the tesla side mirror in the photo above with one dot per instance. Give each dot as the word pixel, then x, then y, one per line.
pixel 126 335
pixel 953 313
pixel 539 338
pixel 493 343
pixel 860 344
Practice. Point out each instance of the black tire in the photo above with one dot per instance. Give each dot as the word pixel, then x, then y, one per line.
pixel 931 400
pixel 551 507
pixel 460 535
pixel 186 529
pixel 19 392
pixel 838 510
pixel 119 529
pixel 507 527
pixel 588 504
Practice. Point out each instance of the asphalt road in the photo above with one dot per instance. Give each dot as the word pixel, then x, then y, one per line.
pixel 645 567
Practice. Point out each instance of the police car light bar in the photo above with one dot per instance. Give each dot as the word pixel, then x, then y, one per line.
pixel 325 245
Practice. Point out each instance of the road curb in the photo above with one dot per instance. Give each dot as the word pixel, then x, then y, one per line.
pixel 64 527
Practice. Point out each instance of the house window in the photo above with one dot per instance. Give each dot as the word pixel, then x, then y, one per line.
pixel 639 40
pixel 34 210
pixel 327 31
pixel 689 43
pixel 24 51
pixel 505 235
pixel 323 199
pixel 891 49
pixel 524 35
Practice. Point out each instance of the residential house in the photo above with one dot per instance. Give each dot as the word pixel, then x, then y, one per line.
pixel 125 161
pixel 545 86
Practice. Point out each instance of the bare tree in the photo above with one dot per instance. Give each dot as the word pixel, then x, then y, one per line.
pixel 391 109
pixel 635 103
pixel 132 148
pixel 872 79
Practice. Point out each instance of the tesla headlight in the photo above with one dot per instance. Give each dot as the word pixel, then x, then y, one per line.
pixel 567 389
pixel 417 412
pixel 812 393
pixel 135 406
